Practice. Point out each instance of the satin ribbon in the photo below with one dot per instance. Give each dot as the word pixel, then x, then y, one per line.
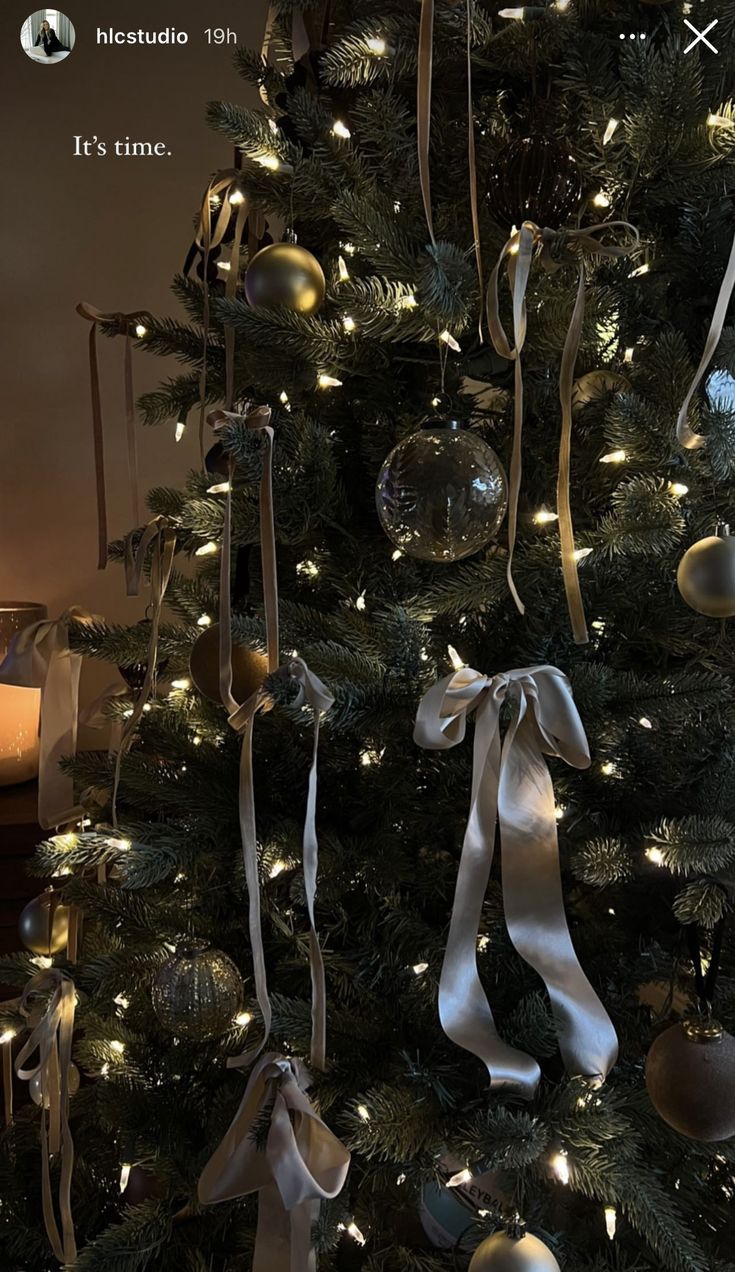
pixel 303 1164
pixel 511 784
pixel 100 319
pixel 554 249
pixel 311 692
pixel 686 436
pixel 208 237
pixel 52 1039
pixel 472 163
pixel 300 41
pixel 425 72
pixel 39 657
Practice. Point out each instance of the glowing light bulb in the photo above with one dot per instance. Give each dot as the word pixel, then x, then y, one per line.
pixel 559 811
pixel 277 868
pixel 349 248
pixel 448 339
pixel 340 130
pixel 125 1170
pixel 197 739
pixel 349 323
pixel 344 273
pixel 376 45
pixel 645 723
pixel 614 457
pixel 309 568
pixel 207 549
pixel 719 121
pixel 418 969
pixel 609 133
pixel 117 1046
pixel 225 265
pixel 355 1233
pixel 363 1112
pixel 396 556
pixel 628 355
pixel 678 488
pixel 581 554
pixel 454 658
pixel 204 621
pixel 483 942
pixel 122 1001
pixel 601 200
pixel 141 331
pixel 642 269
pixel 543 517
pixel 220 488
pixel 271 162
pixel 560 1167
pixel 361 603
pixel 237 197
pixel 183 683
pixel 243 1018
pixel 122 845
pixel 655 855
pixel 515 14
pixel 408 302
pixel 611 1221
pixel 328 381
pixel 461 1177
pixel 179 430
pixel 607 769
pixel 7 1036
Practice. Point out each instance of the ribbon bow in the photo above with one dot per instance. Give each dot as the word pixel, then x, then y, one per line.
pixel 302 1165
pixel 685 434
pixel 39 657
pixel 511 784
pixel 554 250
pixel 52 1039
pixel 100 319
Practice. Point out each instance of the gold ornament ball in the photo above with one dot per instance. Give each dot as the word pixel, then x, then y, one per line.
pixel 249 667
pixel 706 576
pixel 43 927
pixel 197 992
pixel 35 1086
pixel 504 1253
pixel 285 274
pixel 690 1079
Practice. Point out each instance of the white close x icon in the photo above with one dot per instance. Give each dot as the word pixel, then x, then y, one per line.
pixel 701 35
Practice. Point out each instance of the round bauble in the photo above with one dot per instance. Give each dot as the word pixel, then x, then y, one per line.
pixel 285 274
pixel 720 389
pixel 504 1253
pixel 44 925
pixel 706 575
pixel 249 667
pixel 690 1079
pixel 595 385
pixel 441 493
pixel 35 1086
pixel 449 1214
pixel 533 179
pixel 197 992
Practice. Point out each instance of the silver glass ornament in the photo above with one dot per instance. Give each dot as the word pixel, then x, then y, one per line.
pixel 197 992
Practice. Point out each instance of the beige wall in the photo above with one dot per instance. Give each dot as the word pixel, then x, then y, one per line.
pixel 110 231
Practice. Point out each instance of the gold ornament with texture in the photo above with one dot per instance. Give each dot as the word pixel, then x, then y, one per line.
pixel 285 274
pixel 503 1252
pixel 706 575
pixel 249 667
pixel 690 1079
pixel 44 925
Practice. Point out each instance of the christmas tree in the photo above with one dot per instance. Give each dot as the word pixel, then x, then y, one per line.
pixel 601 146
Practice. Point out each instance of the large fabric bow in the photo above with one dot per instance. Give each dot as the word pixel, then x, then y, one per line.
pixel 52 1038
pixel 39 657
pixel 302 1164
pixel 511 784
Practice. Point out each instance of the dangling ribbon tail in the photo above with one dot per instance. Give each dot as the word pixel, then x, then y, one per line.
pixel 687 437
pixel 423 106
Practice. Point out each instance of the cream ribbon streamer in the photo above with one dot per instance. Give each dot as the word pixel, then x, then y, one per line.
pixel 687 437
pixel 423 106
pixel 210 235
pixel 100 319
pixel 311 692
pixel 511 784
pixel 554 249
pixel 302 1165
pixel 39 657
pixel 161 538
pixel 52 1039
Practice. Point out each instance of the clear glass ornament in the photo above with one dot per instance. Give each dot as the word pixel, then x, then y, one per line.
pixel 197 992
pixel 441 493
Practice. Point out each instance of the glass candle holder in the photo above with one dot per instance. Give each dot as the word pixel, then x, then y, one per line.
pixel 20 709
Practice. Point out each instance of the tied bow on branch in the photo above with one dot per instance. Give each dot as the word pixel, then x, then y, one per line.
pixel 303 1164
pixel 554 249
pixel 39 657
pixel 51 1038
pixel 511 785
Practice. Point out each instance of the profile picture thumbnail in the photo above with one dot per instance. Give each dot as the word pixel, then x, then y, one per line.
pixel 47 36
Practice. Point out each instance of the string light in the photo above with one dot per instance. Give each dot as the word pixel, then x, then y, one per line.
pixel 355 1233
pixel 361 603
pixel 122 845
pixel 221 488
pixel 407 302
pixel 237 197
pixel 141 331
pixel 677 488
pixel 370 756
pixel 581 554
pixel 396 206
pixel 122 1002
pixel 225 265
pixel 611 1221
pixel 376 46
pixel 560 1167
pixel 7 1037
pixel 448 339
pixel 628 355
pixel 363 1112
pixel 179 431
pixel 543 517
pixel 461 1177
pixel 609 133
pixel 642 269
pixel 277 868
pixel 183 683
pixel 645 723
pixel 655 855
pixel 328 381
pixel 197 739
pixel 349 323
pixel 43 961
pixel 271 162
pixel 483 942
pixel 125 1170
pixel 340 130
pixel 104 1071
pixel 418 969
pixel 719 121
pixel 601 200
pixel 117 1046
pixel 349 248
pixel 207 549
pixel 396 556
pixel 344 273
pixel 310 568
pixel 454 658
pixel 559 811
pixel 243 1018
pixel 204 620
pixel 516 14
pixel 614 457
pixel 401 1178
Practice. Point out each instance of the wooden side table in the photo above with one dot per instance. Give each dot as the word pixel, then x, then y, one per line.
pixel 19 834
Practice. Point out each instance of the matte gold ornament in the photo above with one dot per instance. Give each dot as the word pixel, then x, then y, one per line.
pixel 596 385
pixel 249 667
pixel 706 575
pixel 44 925
pixel 197 992
pixel 35 1086
pixel 285 274
pixel 504 1253
pixel 690 1079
